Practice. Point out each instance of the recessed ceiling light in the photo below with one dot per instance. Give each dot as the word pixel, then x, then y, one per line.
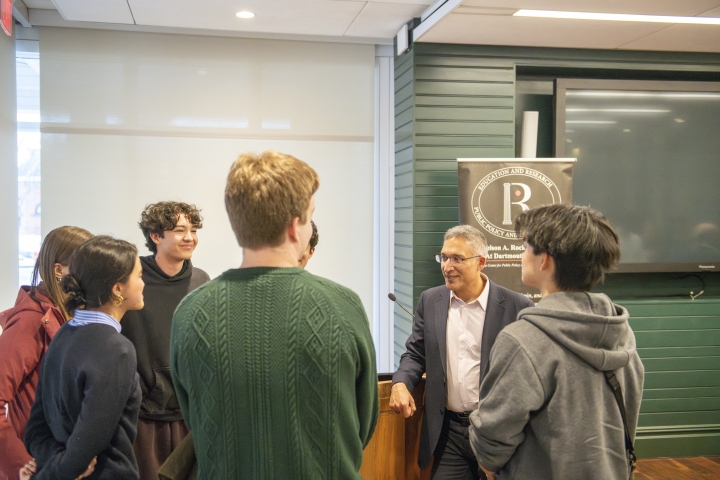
pixel 679 120
pixel 618 17
pixel 245 14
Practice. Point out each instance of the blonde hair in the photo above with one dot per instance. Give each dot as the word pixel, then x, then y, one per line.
pixel 264 193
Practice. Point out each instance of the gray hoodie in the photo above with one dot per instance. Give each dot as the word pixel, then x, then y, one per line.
pixel 546 410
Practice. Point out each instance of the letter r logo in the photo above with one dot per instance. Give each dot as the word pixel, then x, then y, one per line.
pixel 507 204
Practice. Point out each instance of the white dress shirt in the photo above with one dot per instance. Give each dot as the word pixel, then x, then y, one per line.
pixel 464 337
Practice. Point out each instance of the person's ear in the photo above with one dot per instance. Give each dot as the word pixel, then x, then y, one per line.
pixel 155 237
pixel 117 290
pixel 312 250
pixel 481 263
pixel 58 270
pixel 293 230
pixel 547 262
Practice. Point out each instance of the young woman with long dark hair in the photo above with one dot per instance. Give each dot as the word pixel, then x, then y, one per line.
pixel 28 328
pixel 88 397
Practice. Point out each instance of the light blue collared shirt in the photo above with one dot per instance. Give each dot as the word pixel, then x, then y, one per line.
pixel 88 317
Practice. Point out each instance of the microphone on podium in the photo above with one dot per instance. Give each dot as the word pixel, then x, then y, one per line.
pixel 392 297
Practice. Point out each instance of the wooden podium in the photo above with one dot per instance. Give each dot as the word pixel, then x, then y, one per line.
pixel 392 453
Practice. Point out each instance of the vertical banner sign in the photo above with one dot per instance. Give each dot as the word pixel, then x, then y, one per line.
pixel 493 191
pixel 6 16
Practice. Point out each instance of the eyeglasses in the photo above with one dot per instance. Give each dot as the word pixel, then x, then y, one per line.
pixel 454 260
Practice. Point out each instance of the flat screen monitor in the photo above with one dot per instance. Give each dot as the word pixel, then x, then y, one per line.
pixel 648 157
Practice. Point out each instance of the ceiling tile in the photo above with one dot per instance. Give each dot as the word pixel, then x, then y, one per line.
pixel 414 2
pixel 309 17
pixel 427 3
pixel 101 11
pixel 383 19
pixel 41 4
pixel 538 32
pixel 638 7
pixel 680 38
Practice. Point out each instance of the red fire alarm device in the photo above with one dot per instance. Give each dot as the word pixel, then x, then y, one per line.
pixel 6 15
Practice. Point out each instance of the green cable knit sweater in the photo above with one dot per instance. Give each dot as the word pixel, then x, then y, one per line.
pixel 274 369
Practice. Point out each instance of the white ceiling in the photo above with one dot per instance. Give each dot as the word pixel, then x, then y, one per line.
pixel 374 21
pixel 481 22
pixel 490 22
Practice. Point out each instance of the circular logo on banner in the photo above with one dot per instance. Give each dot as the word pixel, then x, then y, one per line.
pixel 501 195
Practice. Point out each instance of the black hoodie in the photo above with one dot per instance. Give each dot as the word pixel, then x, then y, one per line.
pixel 149 330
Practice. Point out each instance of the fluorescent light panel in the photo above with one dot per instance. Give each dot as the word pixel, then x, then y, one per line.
pixel 598 122
pixel 618 93
pixel 618 17
pixel 617 110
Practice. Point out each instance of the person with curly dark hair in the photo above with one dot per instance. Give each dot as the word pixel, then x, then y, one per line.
pixel 310 249
pixel 170 230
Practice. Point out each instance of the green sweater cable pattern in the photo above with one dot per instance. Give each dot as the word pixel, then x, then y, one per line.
pixel 274 369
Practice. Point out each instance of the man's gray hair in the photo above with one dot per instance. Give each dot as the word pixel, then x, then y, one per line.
pixel 472 235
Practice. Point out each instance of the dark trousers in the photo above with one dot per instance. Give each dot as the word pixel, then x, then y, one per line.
pixel 154 443
pixel 454 458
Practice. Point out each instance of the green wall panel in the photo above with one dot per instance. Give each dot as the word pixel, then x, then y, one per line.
pixel 404 172
pixel 675 323
pixel 462 101
pixel 679 343
pixel 404 202
pixel 403 104
pixel 468 74
pixel 436 213
pixel 651 352
pixel 404 143
pixel 679 338
pixel 496 150
pixel 677 445
pixel 404 78
pixel 429 202
pixel 462 106
pixel 680 404
pixel 403 93
pixel 455 101
pixel 463 88
pixel 686 378
pixel 436 190
pixel 684 418
pixel 463 114
pixel 437 177
pixel 403 180
pixel 673 364
pixel 464 141
pixel 479 129
pixel 404 117
pixel 670 393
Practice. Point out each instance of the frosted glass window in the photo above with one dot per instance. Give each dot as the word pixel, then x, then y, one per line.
pixel 27 68
pixel 133 118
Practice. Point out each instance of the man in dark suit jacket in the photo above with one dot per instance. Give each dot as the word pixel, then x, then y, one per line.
pixel 453 332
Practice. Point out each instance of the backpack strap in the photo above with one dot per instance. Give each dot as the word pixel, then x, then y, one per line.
pixel 617 391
